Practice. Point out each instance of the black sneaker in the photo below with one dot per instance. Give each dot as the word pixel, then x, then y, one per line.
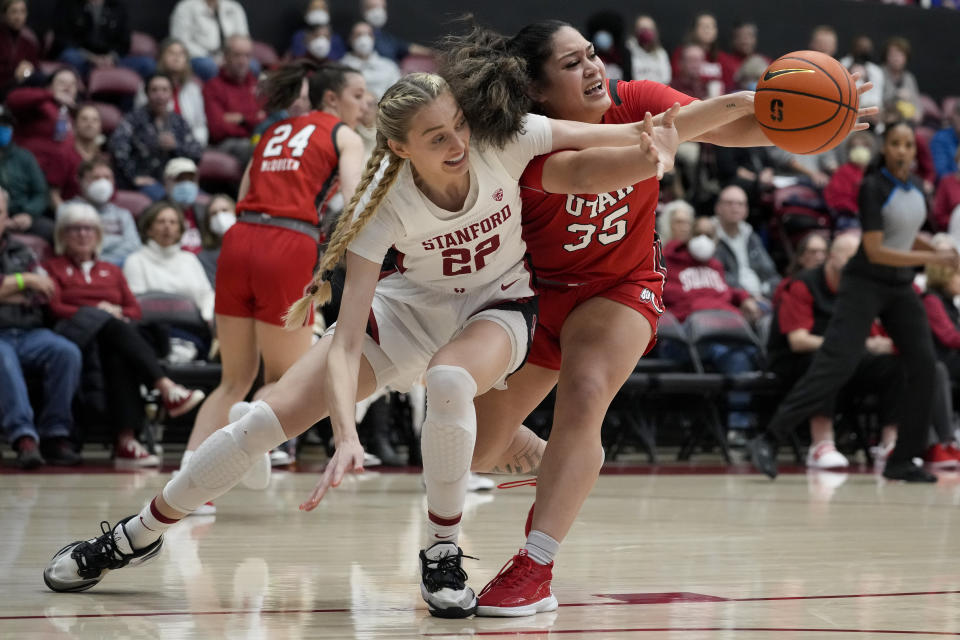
pixel 60 452
pixel 443 582
pixel 28 454
pixel 907 471
pixel 82 564
pixel 763 455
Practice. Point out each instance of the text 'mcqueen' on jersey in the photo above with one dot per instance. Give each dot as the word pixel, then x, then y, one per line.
pixel 587 237
pixel 458 250
pixel 294 168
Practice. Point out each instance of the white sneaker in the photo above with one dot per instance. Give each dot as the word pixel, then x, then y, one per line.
pixel 479 483
pixel 443 583
pixel 881 452
pixel 370 460
pixel 280 458
pixel 824 455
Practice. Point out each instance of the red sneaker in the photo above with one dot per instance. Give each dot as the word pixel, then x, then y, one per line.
pixel 522 588
pixel 179 400
pixel 954 451
pixel 939 457
pixel 133 454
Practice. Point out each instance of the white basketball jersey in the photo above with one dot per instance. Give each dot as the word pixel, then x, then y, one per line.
pixel 455 251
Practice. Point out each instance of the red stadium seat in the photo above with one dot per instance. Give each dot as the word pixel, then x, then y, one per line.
pixel 932 116
pixel 110 116
pixel 113 84
pixel 133 201
pixel 949 104
pixel 925 133
pixel 265 54
pixel 40 247
pixel 220 169
pixel 414 63
pixel 143 44
pixel 49 67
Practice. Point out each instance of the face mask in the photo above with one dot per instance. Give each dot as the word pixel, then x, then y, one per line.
pixel 860 156
pixel 185 192
pixel 377 17
pixel 702 247
pixel 645 37
pixel 99 191
pixel 222 221
pixel 318 18
pixel 319 47
pixel 363 45
pixel 602 40
pixel 6 135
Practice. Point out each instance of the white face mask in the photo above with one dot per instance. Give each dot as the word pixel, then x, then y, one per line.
pixel 702 247
pixel 860 156
pixel 222 221
pixel 362 45
pixel 319 47
pixel 99 191
pixel 377 17
pixel 318 18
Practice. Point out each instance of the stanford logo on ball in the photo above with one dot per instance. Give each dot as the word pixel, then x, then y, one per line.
pixel 498 195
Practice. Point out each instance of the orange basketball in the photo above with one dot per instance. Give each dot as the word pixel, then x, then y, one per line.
pixel 806 102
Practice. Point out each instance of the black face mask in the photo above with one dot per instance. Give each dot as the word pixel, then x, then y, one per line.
pixel 863 57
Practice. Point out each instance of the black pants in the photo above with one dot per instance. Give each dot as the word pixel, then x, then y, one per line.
pixel 859 301
pixel 128 361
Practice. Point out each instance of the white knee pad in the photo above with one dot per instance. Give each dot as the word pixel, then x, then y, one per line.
pixel 223 458
pixel 450 427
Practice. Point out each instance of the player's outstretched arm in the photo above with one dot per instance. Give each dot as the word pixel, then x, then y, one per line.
pixel 342 371
pixel 350 165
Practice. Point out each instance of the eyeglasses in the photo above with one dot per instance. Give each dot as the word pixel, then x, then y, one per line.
pixel 81 228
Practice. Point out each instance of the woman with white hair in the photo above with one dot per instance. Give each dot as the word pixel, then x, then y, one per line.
pixel 96 308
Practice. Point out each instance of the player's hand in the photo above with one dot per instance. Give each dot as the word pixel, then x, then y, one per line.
pixel 879 345
pixel 665 139
pixel 348 458
pixel 865 112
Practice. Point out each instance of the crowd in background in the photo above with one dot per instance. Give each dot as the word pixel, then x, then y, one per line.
pixel 120 159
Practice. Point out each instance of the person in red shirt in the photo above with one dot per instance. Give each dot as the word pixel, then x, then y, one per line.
pixel 843 190
pixel 19 48
pixel 743 45
pixel 600 277
pixel 269 255
pixel 96 308
pixel 230 100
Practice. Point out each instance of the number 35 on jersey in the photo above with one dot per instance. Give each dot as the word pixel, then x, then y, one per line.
pixel 600 219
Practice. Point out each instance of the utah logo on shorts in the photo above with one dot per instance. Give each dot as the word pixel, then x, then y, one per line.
pixel 647 296
pixel 498 195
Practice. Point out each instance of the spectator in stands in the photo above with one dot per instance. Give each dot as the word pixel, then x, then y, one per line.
pixel 221 215
pixel 800 320
pixel 704 34
pixel 317 16
pixel 899 85
pixel 944 145
pixel 230 100
pixel 20 175
pixel 675 222
pixel 943 288
pixel 299 106
pixel 689 77
pixel 88 138
pixel 743 47
pixel 388 45
pixel 947 199
pixel 842 192
pixel 317 45
pixel 862 55
pixel 605 30
pixel 746 263
pixel 648 58
pixel 95 34
pixel 97 186
pixel 182 188
pixel 695 283
pixel 19 49
pixel 750 168
pixel 379 71
pixel 174 62
pixel 823 38
pixel 160 265
pixel 45 128
pixel 811 252
pixel 203 25
pixel 96 307
pixel 25 345
pixel 149 137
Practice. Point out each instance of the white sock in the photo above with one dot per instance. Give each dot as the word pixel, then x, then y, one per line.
pixel 541 548
pixel 145 528
pixel 447 441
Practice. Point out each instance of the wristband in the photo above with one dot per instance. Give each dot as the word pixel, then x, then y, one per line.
pixel 21 285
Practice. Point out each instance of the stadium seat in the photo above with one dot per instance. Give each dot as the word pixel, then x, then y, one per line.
pixel 265 54
pixel 133 201
pixel 219 171
pixel 116 85
pixel 110 116
pixel 949 104
pixel 932 116
pixel 143 44
pixel 414 63
pixel 40 247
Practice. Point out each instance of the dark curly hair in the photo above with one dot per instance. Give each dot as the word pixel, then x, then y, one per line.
pixel 490 76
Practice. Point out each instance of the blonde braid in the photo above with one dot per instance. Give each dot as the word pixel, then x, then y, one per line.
pixel 398 105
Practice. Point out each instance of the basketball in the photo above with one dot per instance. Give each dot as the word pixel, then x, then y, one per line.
pixel 806 102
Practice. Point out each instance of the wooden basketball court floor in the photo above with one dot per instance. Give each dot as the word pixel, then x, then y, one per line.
pixel 671 552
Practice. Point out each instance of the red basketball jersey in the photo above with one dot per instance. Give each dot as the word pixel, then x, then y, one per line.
pixel 587 238
pixel 294 168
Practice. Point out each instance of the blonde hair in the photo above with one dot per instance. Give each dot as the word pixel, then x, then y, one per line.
pixel 938 275
pixel 76 213
pixel 399 105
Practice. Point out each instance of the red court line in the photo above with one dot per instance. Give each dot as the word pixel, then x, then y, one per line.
pixel 688 629
pixel 149 614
